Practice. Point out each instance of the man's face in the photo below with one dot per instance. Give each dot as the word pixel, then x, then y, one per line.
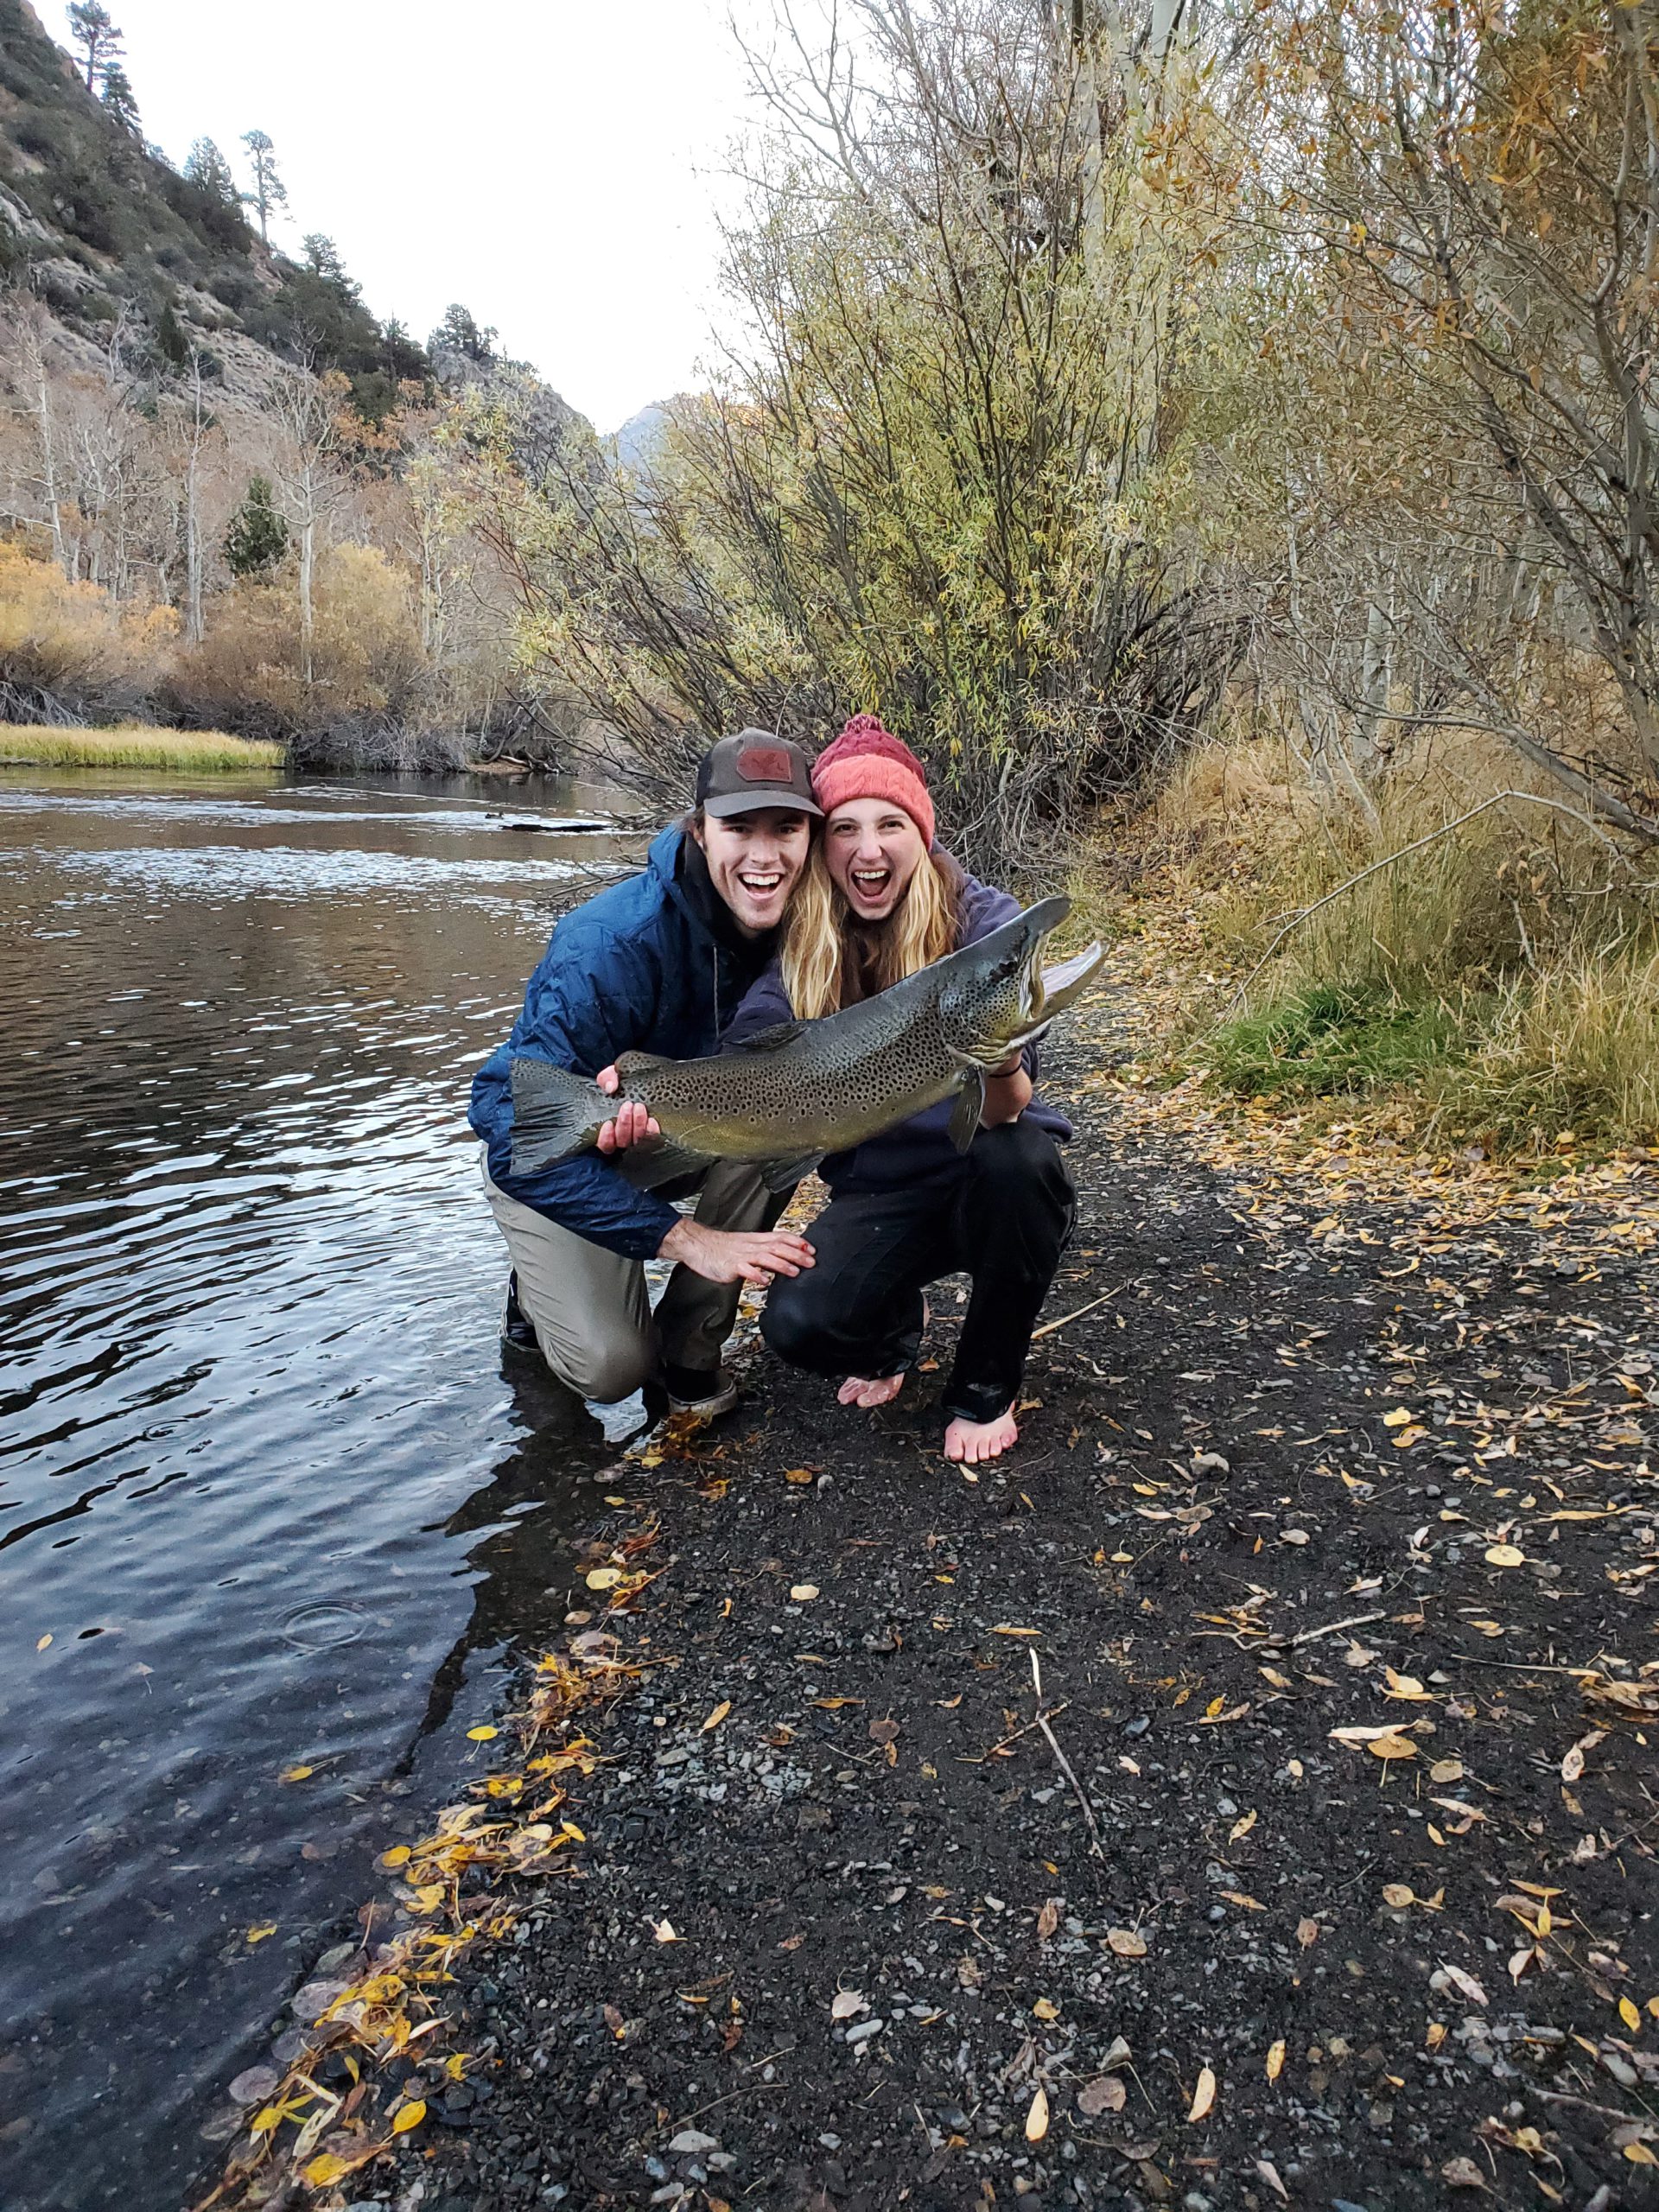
pixel 755 861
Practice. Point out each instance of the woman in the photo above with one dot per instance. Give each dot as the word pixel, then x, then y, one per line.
pixel 657 963
pixel 879 899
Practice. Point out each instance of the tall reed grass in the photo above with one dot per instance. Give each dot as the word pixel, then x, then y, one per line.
pixel 1498 981
pixel 131 746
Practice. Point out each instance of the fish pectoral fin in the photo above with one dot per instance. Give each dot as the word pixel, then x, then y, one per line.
pixel 780 1175
pixel 766 1041
pixel 971 1104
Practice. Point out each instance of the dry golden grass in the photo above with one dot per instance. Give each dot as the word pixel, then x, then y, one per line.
pixel 134 746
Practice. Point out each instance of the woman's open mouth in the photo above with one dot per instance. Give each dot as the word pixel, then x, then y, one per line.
pixel 870 886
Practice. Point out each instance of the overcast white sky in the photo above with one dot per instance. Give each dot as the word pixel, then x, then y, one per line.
pixel 553 163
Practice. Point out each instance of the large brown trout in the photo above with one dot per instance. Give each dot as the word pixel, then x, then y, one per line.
pixel 791 1095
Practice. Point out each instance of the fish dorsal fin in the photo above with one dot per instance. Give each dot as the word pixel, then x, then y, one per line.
pixel 629 1065
pixel 766 1041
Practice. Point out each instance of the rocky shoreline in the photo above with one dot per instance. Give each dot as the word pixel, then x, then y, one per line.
pixel 1244 1796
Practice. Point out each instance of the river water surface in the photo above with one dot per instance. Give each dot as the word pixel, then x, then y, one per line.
pixel 269 1499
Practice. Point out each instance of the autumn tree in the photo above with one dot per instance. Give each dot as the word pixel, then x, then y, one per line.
pixel 268 192
pixel 93 31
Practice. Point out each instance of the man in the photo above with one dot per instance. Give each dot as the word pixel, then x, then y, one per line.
pixel 655 964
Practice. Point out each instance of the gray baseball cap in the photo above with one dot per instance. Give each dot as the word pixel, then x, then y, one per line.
pixel 755 769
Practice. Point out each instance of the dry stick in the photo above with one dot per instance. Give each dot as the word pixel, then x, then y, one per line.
pixel 1533 799
pixel 1354 1620
pixel 1049 1327
pixel 1064 1764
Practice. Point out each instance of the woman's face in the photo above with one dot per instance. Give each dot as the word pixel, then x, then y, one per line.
pixel 872 849
pixel 755 861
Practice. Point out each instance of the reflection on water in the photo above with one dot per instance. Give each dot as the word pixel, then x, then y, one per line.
pixel 267 1501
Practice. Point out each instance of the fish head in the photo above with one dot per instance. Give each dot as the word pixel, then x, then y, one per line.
pixel 994 996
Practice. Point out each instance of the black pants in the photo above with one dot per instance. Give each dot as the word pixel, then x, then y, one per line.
pixel 1003 1217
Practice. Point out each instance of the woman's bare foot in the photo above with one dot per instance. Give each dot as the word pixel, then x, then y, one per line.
pixel 973 1440
pixel 859 1390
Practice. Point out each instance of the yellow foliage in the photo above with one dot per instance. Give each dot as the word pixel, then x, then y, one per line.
pixel 366 656
pixel 56 636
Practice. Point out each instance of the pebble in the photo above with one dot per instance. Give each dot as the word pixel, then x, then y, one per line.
pixel 864 2031
pixel 691 2143
pixel 254 2084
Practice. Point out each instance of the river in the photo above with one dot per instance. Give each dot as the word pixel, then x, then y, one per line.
pixel 271 1504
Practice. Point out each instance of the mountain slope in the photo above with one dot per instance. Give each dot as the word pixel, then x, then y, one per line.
pixel 103 230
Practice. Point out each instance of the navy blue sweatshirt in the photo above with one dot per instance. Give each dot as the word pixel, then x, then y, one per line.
pixel 919 1149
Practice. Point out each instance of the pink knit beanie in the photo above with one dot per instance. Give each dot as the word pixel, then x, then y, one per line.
pixel 867 761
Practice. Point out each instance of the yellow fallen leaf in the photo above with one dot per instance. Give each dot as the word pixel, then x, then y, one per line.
pixel 1204 2096
pixel 42 1642
pixel 1240 1829
pixel 1639 2155
pixel 1046 2009
pixel 797 1474
pixel 664 1930
pixel 1392 1747
pixel 717 1715
pixel 408 2116
pixel 1436 2035
pixel 399 1855
pixel 1405 1438
pixel 1505 1555
pixel 1126 1943
pixel 1627 2013
pixel 1445 1770
pixel 482 1735
pixel 1037 2118
pixel 803 1592
pixel 1004 1627
pixel 1398 1894
pixel 1276 2060
pixel 325 2168
pixel 266 2120
pixel 603 1577
pixel 1308 1932
pixel 295 1773
pixel 258 1934
pixel 1404 1686
pixel 1398 1418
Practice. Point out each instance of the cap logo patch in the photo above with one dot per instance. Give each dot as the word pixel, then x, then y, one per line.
pixel 764 764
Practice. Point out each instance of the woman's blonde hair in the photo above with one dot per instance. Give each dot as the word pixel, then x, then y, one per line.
pixel 831 960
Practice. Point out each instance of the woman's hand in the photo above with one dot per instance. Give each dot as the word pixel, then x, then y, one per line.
pixel 633 1125
pixel 1007 1093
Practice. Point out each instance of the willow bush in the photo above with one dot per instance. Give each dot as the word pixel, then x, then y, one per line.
pixel 935 487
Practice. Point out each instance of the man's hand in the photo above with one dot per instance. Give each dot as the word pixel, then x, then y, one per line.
pixel 633 1125
pixel 735 1256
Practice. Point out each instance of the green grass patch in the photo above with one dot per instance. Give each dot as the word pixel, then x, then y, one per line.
pixel 1331 1038
pixel 198 752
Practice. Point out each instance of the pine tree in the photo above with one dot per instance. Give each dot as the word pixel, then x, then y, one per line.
pixel 322 259
pixel 257 537
pixel 459 334
pixel 268 192
pixel 208 170
pixel 119 99
pixel 91 29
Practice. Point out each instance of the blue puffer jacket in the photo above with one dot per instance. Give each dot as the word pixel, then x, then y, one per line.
pixel 639 968
pixel 919 1150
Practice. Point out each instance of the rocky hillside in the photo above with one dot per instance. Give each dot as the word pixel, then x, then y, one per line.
pixel 106 233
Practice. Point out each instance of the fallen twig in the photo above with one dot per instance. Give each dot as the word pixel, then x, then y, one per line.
pixel 1049 1327
pixel 1354 1620
pixel 1065 1766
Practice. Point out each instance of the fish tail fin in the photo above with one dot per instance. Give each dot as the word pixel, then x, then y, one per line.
pixel 555 1114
